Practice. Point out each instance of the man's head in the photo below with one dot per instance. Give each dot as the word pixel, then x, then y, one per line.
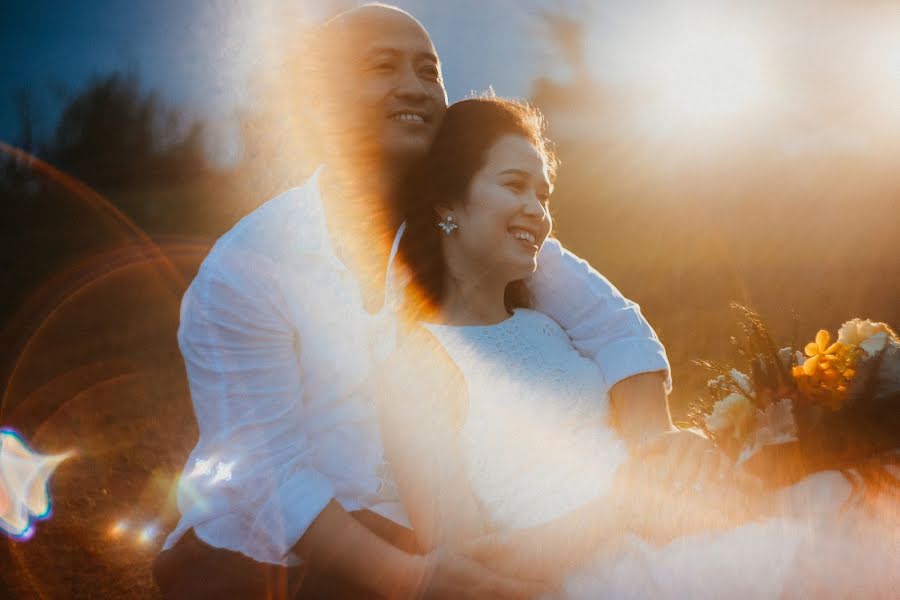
pixel 376 85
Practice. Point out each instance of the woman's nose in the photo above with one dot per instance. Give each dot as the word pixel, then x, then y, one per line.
pixel 534 206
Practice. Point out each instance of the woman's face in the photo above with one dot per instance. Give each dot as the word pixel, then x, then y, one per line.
pixel 505 220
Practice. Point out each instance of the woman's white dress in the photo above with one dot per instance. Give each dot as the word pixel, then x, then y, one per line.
pixel 537 444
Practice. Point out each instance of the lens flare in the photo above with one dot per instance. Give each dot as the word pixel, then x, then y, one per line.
pixel 202 468
pixel 23 484
pixel 147 535
pixel 118 529
pixel 223 472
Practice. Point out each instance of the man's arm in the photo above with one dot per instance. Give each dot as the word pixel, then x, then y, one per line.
pixel 255 469
pixel 549 551
pixel 610 330
pixel 242 363
pixel 603 324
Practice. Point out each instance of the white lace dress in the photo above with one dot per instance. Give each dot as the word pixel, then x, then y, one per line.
pixel 538 444
pixel 536 438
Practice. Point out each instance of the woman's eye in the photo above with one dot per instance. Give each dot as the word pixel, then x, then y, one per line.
pixel 516 186
pixel 382 67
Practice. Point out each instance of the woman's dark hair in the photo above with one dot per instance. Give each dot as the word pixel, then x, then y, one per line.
pixel 468 131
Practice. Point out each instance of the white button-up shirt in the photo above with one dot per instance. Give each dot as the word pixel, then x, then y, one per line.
pixel 278 348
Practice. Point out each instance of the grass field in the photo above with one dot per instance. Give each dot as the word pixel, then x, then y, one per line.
pixel 92 365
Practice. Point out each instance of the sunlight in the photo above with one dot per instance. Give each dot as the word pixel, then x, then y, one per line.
pixel 692 72
pixel 708 70
pixel 880 66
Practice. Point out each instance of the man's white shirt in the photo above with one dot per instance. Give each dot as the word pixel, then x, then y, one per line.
pixel 278 349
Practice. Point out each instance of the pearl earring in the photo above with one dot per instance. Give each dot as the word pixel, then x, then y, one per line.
pixel 447 225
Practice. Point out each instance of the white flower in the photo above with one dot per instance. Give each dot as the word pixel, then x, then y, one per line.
pixel 743 382
pixel 875 344
pixel 775 425
pixel 856 331
pixel 734 412
pixel 786 357
pixel 716 382
pixel 789 360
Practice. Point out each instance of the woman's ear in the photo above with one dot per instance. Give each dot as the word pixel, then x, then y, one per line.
pixel 443 211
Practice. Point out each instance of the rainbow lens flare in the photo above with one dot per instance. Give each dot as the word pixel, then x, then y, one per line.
pixel 23 485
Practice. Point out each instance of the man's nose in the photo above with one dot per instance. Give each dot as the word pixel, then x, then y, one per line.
pixel 409 84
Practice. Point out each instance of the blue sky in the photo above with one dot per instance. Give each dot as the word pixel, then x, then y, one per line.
pixel 199 54
pixel 814 75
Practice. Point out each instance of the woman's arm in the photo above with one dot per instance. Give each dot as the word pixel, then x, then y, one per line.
pixel 640 408
pixel 422 401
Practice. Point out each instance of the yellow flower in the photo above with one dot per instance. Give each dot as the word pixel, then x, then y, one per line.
pixel 820 354
pixel 825 376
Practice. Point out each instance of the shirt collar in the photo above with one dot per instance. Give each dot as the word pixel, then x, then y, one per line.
pixel 395 283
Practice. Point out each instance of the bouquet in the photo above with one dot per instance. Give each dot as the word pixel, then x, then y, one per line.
pixel 787 412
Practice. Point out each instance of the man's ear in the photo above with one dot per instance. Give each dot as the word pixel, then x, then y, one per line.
pixel 313 106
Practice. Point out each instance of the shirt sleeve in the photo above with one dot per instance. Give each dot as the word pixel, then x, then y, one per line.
pixel 253 480
pixel 604 325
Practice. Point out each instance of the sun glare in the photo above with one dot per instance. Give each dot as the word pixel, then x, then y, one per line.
pixel 694 71
pixel 881 67
pixel 706 72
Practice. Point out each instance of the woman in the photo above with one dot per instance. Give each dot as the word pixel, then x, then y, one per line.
pixel 492 422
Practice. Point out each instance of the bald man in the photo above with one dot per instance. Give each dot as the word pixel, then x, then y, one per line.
pixel 286 494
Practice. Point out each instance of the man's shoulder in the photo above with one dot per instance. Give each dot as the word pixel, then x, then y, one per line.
pixel 281 230
pixel 288 217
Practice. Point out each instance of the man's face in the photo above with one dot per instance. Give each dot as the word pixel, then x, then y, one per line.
pixel 386 93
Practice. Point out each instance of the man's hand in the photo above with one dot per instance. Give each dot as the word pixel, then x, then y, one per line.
pixel 449 574
pixel 517 554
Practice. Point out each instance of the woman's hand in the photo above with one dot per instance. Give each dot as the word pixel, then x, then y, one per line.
pixel 683 461
pixel 680 483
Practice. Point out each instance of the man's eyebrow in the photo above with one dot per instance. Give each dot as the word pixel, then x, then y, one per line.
pixel 378 50
pixel 430 56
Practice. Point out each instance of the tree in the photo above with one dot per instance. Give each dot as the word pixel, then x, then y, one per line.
pixel 113 134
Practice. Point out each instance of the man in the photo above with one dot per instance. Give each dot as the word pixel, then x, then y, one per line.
pixel 283 490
